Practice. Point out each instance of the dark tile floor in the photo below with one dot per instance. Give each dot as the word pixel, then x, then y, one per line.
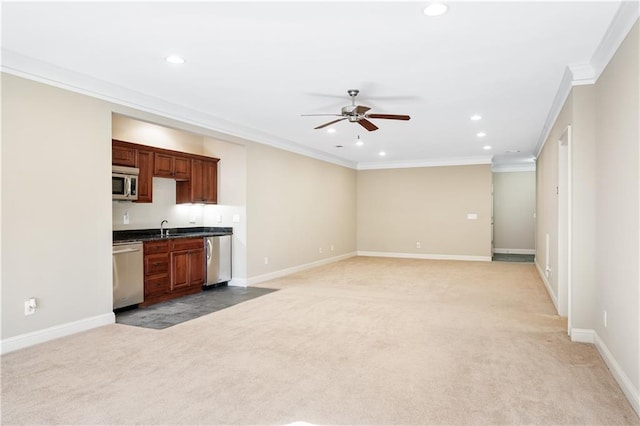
pixel 525 258
pixel 166 314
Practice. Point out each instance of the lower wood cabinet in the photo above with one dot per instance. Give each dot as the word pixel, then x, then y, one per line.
pixel 187 263
pixel 172 268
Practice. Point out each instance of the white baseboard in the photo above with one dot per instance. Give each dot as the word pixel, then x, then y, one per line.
pixel 552 295
pixel 591 336
pixel 283 272
pixel 238 282
pixel 40 336
pixel 514 251
pixel 623 380
pixel 425 256
pixel 582 335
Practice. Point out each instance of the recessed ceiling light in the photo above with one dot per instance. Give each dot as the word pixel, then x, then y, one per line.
pixel 331 130
pixel 476 117
pixel 486 147
pixel 359 141
pixel 481 134
pixel 382 153
pixel 435 9
pixel 174 59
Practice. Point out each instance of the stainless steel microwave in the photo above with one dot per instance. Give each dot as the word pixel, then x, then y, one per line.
pixel 124 183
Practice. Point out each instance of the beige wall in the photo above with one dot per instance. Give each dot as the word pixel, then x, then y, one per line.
pixel 617 233
pixel 296 206
pixel 514 201
pixel 398 208
pixel 547 200
pixel 605 197
pixel 56 238
pixel 132 130
pixel 232 199
pixel 583 205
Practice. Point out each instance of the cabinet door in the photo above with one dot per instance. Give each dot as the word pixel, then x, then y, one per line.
pixel 163 165
pixel 181 168
pixel 196 267
pixel 145 178
pixel 179 270
pixel 210 182
pixel 123 155
pixel 197 187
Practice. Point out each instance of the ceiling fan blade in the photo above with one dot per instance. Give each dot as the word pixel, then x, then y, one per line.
pixel 360 109
pixel 389 116
pixel 330 123
pixel 367 124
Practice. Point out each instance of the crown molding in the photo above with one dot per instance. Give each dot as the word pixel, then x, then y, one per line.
pixel 508 168
pixel 556 106
pixel 32 69
pixel 459 161
pixel 582 74
pixel 624 19
pixel 588 73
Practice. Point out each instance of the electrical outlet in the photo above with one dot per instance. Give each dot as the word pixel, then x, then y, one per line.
pixel 30 306
pixel 331 247
pixel 418 245
pixel 266 260
pixel 319 249
pixel 604 318
pixel 125 218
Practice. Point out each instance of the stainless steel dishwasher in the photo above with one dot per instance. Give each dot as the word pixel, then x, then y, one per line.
pixel 128 274
pixel 218 260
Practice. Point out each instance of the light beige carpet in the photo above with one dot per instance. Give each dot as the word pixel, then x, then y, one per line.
pixel 362 341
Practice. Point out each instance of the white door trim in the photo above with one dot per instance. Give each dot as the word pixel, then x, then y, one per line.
pixel 564 226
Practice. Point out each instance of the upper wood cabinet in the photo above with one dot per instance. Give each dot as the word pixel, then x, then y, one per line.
pixel 196 175
pixel 132 155
pixel 144 162
pixel 203 185
pixel 171 166
pixel 123 155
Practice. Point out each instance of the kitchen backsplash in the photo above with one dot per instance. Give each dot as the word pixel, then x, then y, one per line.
pixel 149 215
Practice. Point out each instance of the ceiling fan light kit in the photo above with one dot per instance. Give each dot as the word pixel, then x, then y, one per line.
pixel 358 114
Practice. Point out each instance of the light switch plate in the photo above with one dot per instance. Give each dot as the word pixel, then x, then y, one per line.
pixel 472 216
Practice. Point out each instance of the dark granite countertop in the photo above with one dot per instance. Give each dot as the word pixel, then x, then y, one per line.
pixel 127 235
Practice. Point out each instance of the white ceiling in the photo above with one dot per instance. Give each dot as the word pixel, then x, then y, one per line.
pixel 253 68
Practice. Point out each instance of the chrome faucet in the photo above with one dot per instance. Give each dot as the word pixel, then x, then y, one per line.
pixel 162 232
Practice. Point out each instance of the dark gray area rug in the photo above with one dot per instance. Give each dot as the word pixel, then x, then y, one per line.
pixel 176 311
pixel 502 257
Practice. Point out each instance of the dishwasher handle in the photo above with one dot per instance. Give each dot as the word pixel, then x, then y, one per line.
pixel 209 248
pixel 127 250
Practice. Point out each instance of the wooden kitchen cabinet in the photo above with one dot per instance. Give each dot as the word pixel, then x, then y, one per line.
pixel 172 268
pixel 203 185
pixel 196 176
pixel 187 264
pixel 157 285
pixel 171 166
pixel 132 155
pixel 123 155
pixel 144 162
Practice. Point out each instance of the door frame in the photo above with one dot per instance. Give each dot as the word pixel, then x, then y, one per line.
pixel 564 226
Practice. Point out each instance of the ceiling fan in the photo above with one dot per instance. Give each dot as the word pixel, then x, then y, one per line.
pixel 358 114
